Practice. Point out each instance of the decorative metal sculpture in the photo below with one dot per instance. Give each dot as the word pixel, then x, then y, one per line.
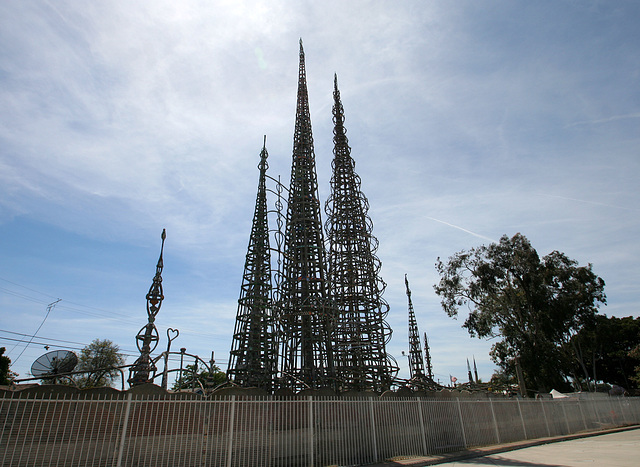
pixel 361 332
pixel 420 379
pixel 416 364
pixel 475 370
pixel 147 338
pixel 172 334
pixel 304 313
pixel 253 348
pixel 427 358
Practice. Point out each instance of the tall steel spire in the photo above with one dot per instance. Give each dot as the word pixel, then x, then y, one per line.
pixel 253 350
pixel 147 338
pixel 416 364
pixel 427 358
pixel 305 315
pixel 361 333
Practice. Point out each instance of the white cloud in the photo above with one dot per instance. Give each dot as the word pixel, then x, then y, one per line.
pixel 466 121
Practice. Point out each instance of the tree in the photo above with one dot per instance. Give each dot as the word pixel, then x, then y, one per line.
pixel 99 360
pixel 533 305
pixel 635 353
pixel 6 375
pixel 604 350
pixel 195 373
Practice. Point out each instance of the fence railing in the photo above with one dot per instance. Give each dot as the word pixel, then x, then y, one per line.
pixel 147 431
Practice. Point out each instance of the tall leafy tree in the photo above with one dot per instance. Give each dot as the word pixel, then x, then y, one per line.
pixel 532 305
pixel 99 360
pixel 604 350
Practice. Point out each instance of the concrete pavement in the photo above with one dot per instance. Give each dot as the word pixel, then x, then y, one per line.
pixel 611 448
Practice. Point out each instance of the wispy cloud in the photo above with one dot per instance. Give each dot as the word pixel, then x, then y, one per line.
pixel 604 120
pixel 121 118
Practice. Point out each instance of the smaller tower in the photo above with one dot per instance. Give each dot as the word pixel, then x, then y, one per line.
pixel 147 338
pixel 416 364
pixel 475 369
pixel 427 358
pixel 469 372
pixel 253 350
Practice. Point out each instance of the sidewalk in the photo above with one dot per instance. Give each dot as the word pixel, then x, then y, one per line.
pixel 619 447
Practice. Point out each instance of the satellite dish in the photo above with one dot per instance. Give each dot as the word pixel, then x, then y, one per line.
pixel 54 363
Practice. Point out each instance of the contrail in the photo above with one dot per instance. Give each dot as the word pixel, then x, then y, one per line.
pixel 604 120
pixel 461 228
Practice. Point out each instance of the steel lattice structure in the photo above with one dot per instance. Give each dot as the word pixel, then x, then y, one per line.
pixel 147 338
pixel 361 332
pixel 304 313
pixel 253 349
pixel 416 364
pixel 427 358
pixel 420 379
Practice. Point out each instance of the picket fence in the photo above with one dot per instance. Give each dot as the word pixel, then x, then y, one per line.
pixel 253 431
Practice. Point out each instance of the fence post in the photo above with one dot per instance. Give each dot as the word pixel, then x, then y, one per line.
pixel 206 428
pixel 524 428
pixel 566 418
pixel 546 421
pixel 495 422
pixel 232 417
pixel 422 432
pixel 373 430
pixel 622 411
pixel 310 415
pixel 464 436
pixel 584 420
pixel 124 429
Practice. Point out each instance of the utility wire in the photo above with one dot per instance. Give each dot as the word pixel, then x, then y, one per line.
pixel 50 307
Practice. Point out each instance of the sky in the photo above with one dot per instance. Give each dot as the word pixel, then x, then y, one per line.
pixel 467 120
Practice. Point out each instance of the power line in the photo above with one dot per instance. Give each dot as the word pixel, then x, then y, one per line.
pixel 50 307
pixel 47 338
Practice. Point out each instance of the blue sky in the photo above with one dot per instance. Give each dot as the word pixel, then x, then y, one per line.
pixel 467 120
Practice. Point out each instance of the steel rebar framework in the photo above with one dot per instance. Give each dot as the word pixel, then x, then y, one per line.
pixel 304 313
pixel 420 379
pixel 361 332
pixel 147 338
pixel 427 358
pixel 253 349
pixel 416 364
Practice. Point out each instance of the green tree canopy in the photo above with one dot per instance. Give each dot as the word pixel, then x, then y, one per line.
pixel 6 375
pixel 195 373
pixel 533 306
pixel 98 359
pixel 604 350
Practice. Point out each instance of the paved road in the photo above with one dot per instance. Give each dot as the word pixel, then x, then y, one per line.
pixel 611 450
pixel 620 448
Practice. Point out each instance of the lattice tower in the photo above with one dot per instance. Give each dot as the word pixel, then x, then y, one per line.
pixel 416 364
pixel 147 338
pixel 305 315
pixel 361 333
pixel 253 348
pixel 427 358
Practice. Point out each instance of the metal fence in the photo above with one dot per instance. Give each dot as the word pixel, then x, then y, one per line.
pixel 243 431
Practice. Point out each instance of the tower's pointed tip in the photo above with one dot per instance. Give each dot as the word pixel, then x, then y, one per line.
pixel 335 81
pixel 264 142
pixel 301 44
pixel 164 234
